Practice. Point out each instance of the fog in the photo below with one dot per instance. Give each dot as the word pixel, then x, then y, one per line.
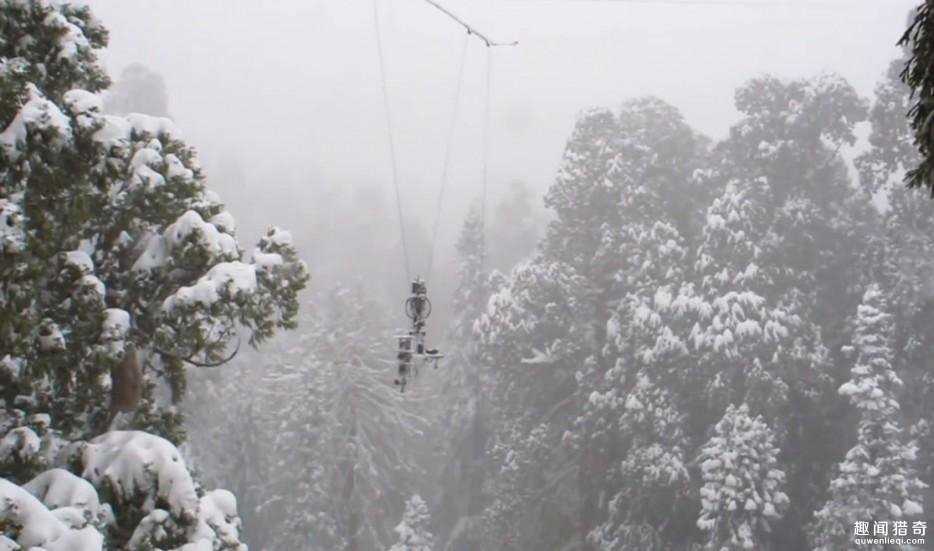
pixel 290 89
pixel 663 329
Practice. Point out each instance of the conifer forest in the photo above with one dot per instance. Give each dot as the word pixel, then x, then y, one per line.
pixel 451 275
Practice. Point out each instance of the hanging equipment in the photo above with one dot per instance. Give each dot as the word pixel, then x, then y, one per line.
pixel 412 352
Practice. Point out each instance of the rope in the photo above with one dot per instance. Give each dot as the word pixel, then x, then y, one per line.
pixel 486 152
pixel 447 155
pixel 392 142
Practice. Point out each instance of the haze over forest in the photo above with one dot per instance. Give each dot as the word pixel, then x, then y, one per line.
pixel 336 275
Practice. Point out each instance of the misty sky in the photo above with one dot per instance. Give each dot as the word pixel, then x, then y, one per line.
pixel 291 89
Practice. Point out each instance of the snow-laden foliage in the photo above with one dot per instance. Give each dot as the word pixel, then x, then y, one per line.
pixel 743 486
pixel 561 330
pixel 124 488
pixel 877 481
pixel 653 479
pixel 899 259
pixel 461 412
pixel 118 269
pixel 415 529
pixel 918 40
pixel 111 239
pixel 674 280
pixel 33 525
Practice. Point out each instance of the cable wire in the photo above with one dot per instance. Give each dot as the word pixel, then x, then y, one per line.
pixel 390 135
pixel 445 168
pixel 486 151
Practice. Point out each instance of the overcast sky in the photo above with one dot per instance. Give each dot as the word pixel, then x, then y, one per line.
pixel 292 88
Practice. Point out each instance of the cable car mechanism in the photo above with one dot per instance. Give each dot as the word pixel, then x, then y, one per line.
pixel 412 352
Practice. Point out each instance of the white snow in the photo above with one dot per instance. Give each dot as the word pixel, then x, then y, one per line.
pixel 278 236
pixel 116 324
pixel 132 462
pixel 86 107
pixel 227 279
pixel 70 39
pixel 80 260
pixel 20 443
pixel 217 518
pixel 154 126
pixel 12 237
pixel 539 357
pixel 216 242
pixel 37 113
pixel 153 256
pixel 81 101
pixel 266 261
pixel 39 527
pixel 225 222
pixel 144 163
pixel 58 488
pixel 176 169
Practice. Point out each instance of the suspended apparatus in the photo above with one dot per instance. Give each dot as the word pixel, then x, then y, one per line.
pixel 412 352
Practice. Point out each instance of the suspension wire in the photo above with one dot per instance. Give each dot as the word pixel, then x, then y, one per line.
pixel 486 152
pixel 447 155
pixel 470 29
pixel 390 135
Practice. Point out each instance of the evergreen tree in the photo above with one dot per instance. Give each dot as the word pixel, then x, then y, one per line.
pixel 900 259
pixel 112 243
pixel 877 481
pixel 117 270
pixel 534 335
pixel 120 490
pixel 780 243
pixel 462 421
pixel 414 530
pixel 918 39
pixel 653 479
pixel 646 347
pixel 620 201
pixel 742 493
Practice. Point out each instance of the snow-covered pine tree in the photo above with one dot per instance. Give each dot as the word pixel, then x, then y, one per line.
pixel 650 490
pixel 901 260
pixel 111 242
pixel 878 480
pixel 120 490
pixel 659 206
pixel 623 195
pixel 780 243
pixel 415 529
pixel 533 337
pixel 743 485
pixel 462 424
pixel 117 269
pixel 772 239
pixel 918 41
